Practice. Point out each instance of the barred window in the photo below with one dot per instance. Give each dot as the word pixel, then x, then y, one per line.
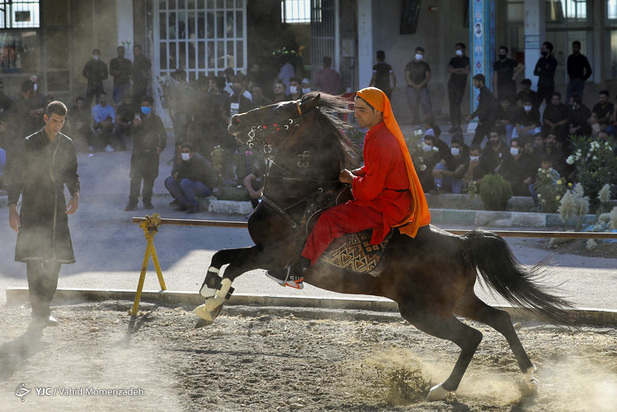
pixel 19 14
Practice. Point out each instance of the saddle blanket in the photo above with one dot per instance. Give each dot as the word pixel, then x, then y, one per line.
pixel 355 253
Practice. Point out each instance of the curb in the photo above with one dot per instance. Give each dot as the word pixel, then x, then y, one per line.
pixel 300 306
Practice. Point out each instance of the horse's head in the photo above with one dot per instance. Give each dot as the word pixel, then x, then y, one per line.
pixel 269 126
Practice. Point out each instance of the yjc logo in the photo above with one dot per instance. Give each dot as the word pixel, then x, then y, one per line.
pixel 22 391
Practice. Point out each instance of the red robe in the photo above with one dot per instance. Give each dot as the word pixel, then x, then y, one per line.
pixel 382 196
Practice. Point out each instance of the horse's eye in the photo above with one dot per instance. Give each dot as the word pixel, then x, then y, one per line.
pixel 236 119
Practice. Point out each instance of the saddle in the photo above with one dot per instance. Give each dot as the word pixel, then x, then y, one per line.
pixel 354 252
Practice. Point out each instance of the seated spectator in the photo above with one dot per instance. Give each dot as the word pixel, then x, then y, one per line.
pixel 103 119
pixel 279 90
pixel 555 117
pixel 601 113
pixel 79 124
pixel 492 155
pixel 527 93
pixel 527 121
pixel 518 169
pixel 253 181
pixel 431 156
pixel 124 117
pixel 295 90
pixel 471 175
pixel 449 172
pixel 578 117
pixel 553 148
pixel 306 86
pixel 259 100
pixel 506 117
pixel 432 129
pixel 189 178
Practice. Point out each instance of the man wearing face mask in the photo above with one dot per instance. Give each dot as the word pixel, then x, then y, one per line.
pixel 149 139
pixel 579 70
pixel 492 155
pixel 238 102
pixel 449 172
pixel 527 121
pixel 417 76
pixel 306 86
pixel 545 70
pixel 458 69
pixel 505 72
pixel 95 71
pixel 189 178
pixel 295 91
pixel 518 168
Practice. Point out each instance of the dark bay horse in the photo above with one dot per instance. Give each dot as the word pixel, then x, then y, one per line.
pixel 431 276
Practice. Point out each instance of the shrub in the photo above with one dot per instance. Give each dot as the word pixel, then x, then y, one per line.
pixel 550 188
pixel 495 191
pixel 596 165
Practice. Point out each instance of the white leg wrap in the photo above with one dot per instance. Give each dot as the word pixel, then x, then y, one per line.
pixel 437 393
pixel 206 291
pixel 206 311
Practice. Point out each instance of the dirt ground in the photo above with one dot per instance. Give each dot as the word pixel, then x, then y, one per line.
pixel 605 249
pixel 259 359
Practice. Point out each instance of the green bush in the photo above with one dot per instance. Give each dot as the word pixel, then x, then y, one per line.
pixel 495 191
pixel 596 165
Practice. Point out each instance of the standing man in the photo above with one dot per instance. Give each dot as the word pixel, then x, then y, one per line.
pixel 327 79
pixel 45 162
pixel 149 140
pixel 120 69
pixel 382 73
pixel 417 76
pixel 505 72
pixel 387 191
pixel 95 71
pixel 579 70
pixel 458 69
pixel 545 70
pixel 486 111
pixel 140 73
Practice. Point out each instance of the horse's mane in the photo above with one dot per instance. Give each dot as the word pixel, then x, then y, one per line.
pixel 331 108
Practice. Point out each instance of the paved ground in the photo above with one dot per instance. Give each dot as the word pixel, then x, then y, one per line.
pixel 109 248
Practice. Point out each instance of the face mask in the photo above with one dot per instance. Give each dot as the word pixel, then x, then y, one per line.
pixel 427 148
pixel 146 110
pixel 418 56
pixel 36 87
pixel 527 108
pixel 293 89
pixel 455 151
pixel 459 52
pixel 502 57
pixel 95 57
pixel 474 158
pixel 186 156
pixel 306 90
pixel 514 151
pixel 544 53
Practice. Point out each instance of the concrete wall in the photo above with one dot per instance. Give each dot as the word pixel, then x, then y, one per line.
pixel 438 30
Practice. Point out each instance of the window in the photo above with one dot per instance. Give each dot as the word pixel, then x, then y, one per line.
pixel 202 37
pixel 19 14
pixel 19 51
pixel 296 11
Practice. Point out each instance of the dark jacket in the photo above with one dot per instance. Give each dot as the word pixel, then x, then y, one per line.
pixel 39 171
pixel 95 71
pixel 487 107
pixel 196 169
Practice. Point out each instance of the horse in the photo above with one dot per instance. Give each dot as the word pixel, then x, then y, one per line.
pixel 431 276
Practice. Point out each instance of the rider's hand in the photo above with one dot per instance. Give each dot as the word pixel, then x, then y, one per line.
pixel 346 176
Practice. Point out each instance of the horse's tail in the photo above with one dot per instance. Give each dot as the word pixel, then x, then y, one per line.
pixel 518 284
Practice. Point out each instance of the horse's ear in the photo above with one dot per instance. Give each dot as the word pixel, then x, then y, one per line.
pixel 310 101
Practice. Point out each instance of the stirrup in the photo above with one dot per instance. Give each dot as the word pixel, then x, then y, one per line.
pixel 284 278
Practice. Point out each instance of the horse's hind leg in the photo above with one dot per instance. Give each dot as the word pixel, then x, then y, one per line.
pixel 446 327
pixel 471 307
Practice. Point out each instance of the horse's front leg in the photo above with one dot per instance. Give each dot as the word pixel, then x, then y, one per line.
pixel 216 289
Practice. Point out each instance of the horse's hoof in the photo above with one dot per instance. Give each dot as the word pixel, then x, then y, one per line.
pixel 528 386
pixel 201 323
pixel 437 393
pixel 208 311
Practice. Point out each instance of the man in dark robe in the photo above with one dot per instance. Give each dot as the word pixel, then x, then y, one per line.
pixel 43 163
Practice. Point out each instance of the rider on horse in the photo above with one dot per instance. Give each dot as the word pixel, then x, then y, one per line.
pixel 387 192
